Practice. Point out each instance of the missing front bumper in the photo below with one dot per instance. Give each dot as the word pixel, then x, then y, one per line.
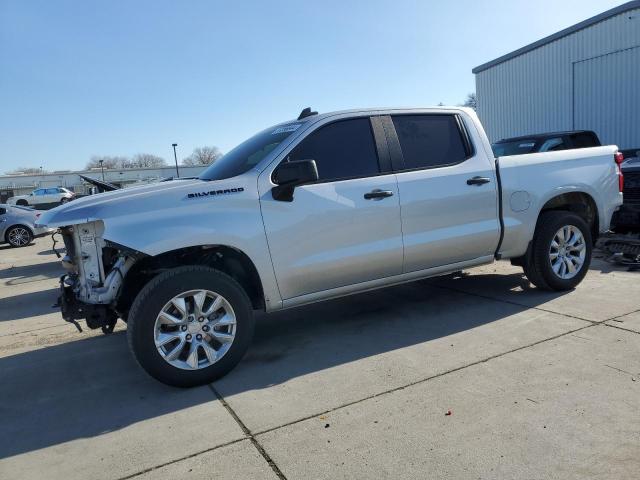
pixel 96 316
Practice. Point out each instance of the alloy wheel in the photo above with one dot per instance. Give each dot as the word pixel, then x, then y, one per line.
pixel 195 329
pixel 19 237
pixel 567 252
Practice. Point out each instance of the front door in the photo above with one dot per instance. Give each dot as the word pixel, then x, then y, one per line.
pixel 344 229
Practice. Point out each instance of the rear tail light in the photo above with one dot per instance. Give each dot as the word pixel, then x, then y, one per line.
pixel 618 157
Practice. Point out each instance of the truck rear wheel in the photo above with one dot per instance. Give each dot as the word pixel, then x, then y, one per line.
pixel 560 251
pixel 190 326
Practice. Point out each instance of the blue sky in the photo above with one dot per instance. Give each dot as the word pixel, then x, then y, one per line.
pixel 83 78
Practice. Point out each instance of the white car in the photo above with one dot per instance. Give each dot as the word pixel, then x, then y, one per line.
pixel 43 197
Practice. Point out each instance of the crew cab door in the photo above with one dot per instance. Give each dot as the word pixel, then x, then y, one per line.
pixel 343 229
pixel 448 190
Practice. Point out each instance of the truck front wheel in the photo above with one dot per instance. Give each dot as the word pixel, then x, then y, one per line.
pixel 560 251
pixel 190 326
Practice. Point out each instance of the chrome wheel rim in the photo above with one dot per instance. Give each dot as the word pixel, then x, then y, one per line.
pixel 195 329
pixel 567 252
pixel 19 237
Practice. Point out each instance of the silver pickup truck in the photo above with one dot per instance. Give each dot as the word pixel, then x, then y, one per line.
pixel 316 208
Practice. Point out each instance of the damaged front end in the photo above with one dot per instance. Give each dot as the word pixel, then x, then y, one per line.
pixel 95 273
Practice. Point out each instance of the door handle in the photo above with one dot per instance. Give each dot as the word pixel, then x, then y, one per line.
pixel 478 181
pixel 378 194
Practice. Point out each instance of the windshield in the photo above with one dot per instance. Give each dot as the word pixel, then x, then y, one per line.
pixel 249 153
pixel 519 147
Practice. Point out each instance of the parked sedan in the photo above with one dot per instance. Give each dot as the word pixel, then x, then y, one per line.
pixel 43 197
pixel 17 225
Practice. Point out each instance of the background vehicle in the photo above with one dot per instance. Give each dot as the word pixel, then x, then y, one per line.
pixel 546 142
pixel 43 197
pixel 17 225
pixel 317 208
pixel 627 219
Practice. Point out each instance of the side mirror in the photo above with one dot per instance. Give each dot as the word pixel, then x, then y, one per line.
pixel 289 175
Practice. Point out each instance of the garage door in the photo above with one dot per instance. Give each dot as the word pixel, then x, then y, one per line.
pixel 607 97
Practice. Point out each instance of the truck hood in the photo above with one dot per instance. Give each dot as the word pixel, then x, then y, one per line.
pixel 118 203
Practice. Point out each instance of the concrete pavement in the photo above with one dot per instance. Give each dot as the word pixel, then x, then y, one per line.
pixel 539 385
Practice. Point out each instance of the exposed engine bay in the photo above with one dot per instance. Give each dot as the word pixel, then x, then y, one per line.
pixel 95 273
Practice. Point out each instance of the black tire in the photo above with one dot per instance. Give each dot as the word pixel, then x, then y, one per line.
pixel 160 290
pixel 537 266
pixel 64 200
pixel 26 236
pixel 22 203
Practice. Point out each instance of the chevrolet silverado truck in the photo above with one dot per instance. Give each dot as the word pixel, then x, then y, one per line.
pixel 317 208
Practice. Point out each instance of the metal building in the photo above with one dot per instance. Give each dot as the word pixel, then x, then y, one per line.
pixel 584 77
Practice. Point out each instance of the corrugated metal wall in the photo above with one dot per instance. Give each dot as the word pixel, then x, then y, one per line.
pixel 567 84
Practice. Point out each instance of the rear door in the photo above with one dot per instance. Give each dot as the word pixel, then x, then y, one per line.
pixel 335 233
pixel 38 197
pixel 448 191
pixel 52 195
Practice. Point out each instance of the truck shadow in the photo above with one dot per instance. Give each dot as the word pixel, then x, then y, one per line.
pixel 28 305
pixel 31 273
pixel 86 388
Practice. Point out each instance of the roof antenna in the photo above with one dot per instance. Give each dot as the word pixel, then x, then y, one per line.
pixel 306 113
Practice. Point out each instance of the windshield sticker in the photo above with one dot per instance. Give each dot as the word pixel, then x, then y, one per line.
pixel 287 128
pixel 526 145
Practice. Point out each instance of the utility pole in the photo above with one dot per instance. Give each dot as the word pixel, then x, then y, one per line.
pixel 174 145
pixel 102 169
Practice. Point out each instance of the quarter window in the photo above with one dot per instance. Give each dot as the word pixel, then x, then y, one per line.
pixel 429 141
pixel 343 149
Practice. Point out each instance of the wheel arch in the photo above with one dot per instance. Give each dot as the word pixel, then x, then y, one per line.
pixel 227 259
pixel 579 202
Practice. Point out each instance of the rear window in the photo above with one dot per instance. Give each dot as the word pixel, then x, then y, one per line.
pixel 429 141
pixel 519 147
pixel 585 140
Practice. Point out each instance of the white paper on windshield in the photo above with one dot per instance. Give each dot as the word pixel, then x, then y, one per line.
pixel 287 128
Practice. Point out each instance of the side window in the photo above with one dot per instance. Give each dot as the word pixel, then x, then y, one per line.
pixel 40 191
pixel 344 149
pixel 553 144
pixel 51 191
pixel 430 140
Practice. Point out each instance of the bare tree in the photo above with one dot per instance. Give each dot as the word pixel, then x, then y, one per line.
pixel 141 160
pixel 27 170
pixel 108 162
pixel 146 160
pixel 203 156
pixel 471 101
